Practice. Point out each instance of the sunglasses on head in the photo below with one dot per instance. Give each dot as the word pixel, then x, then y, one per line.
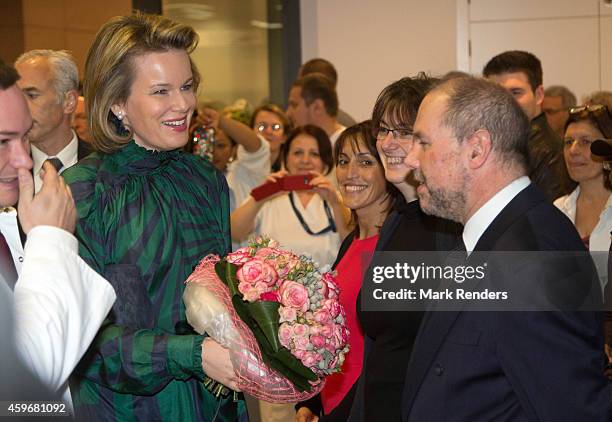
pixel 595 109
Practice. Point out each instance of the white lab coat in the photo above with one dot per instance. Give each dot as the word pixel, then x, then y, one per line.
pixel 59 305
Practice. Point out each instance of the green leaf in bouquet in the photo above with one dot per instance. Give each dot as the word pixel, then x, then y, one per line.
pixel 278 358
pixel 265 313
pixel 296 367
pixel 227 274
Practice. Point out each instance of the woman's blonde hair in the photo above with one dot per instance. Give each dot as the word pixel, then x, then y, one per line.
pixel 109 70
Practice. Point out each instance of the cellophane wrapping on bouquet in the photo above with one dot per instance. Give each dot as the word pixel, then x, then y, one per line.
pixel 276 312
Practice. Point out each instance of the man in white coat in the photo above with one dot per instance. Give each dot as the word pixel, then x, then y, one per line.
pixel 59 302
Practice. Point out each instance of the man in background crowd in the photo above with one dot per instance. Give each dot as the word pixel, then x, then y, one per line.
pixel 319 65
pixel 556 104
pixel 79 122
pixel 313 101
pixel 50 81
pixel 520 73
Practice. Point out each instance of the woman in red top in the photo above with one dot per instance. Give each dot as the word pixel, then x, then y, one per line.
pixel 364 189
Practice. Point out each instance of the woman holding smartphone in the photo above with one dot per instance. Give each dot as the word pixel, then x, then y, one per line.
pixel 307 221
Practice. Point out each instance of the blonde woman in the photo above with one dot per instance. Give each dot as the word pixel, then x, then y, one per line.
pixel 148 212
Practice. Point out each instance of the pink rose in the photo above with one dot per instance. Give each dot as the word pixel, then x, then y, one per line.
pixel 301 343
pixel 266 252
pixel 327 331
pixel 239 257
pixel 270 297
pixel 332 287
pixel 251 295
pixel 299 353
pixel 334 362
pixel 315 329
pixel 285 334
pixel 287 314
pixel 294 295
pixel 322 316
pixel 261 287
pixel 333 307
pixel 310 359
pixel 323 290
pixel 330 348
pixel 255 271
pixel 340 336
pixel 317 341
pixel 244 287
pixel 301 330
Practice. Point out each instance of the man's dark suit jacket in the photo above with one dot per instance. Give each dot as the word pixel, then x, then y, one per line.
pixel 546 165
pixel 84 149
pixel 511 366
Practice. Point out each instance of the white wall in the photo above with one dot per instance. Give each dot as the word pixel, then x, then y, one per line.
pixel 375 42
pixel 548 29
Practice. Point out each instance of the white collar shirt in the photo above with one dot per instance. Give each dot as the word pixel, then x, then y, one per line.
pixel 10 230
pixel 484 216
pixel 68 156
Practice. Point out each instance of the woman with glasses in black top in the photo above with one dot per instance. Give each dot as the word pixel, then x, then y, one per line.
pixel 310 221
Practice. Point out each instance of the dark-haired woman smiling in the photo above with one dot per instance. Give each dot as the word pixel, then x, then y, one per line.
pixel 366 192
pixel 304 221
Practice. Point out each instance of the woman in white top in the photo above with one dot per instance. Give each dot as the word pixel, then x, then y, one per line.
pixel 240 154
pixel 273 124
pixel 304 221
pixel 589 206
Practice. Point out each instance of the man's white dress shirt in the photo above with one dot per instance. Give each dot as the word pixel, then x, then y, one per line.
pixel 481 220
pixel 68 156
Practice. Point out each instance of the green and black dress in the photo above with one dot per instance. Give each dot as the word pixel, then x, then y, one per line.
pixel 146 218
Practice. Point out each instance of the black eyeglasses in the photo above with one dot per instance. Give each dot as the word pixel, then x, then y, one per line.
pixel 381 132
pixel 263 126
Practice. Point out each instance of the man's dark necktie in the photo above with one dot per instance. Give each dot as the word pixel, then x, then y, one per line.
pixel 56 162
pixel 7 265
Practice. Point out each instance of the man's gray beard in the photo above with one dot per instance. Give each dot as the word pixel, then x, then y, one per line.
pixel 450 205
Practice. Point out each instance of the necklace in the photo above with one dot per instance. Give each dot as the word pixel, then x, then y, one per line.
pixel 300 217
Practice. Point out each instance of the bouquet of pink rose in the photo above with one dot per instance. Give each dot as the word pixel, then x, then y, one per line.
pixel 276 312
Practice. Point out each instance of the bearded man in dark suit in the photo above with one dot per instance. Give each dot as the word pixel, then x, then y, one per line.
pixel 470 159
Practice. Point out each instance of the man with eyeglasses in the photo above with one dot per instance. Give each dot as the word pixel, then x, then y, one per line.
pixel 520 73
pixel 556 104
